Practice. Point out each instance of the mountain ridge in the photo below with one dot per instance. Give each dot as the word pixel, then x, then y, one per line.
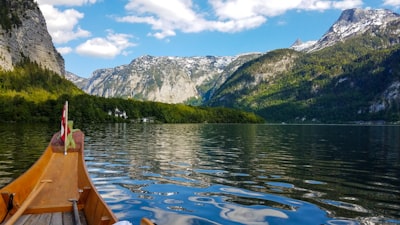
pixel 354 22
pixel 168 79
pixel 354 79
pixel 332 79
pixel 106 82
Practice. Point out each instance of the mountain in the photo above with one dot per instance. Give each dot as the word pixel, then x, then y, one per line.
pixel 352 73
pixel 255 76
pixel 298 45
pixel 32 90
pixel 80 82
pixel 24 36
pixel 166 79
pixel 353 22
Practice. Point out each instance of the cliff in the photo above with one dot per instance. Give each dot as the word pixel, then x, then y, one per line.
pixel 166 79
pixel 24 36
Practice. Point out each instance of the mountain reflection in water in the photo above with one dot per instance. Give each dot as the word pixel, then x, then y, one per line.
pixel 245 174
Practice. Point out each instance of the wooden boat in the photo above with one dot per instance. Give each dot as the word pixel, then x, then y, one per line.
pixel 56 190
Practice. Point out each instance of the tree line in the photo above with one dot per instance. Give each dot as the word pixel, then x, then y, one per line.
pixel 32 94
pixel 334 85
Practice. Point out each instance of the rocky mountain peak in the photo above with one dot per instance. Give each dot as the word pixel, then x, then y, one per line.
pixel 366 16
pixel 169 79
pixel 299 45
pixel 353 22
pixel 173 79
pixel 297 42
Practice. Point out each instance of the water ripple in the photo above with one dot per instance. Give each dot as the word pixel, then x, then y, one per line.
pixel 206 174
pixel 234 173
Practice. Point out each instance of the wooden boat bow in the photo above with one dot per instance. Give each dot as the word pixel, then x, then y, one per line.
pixel 49 185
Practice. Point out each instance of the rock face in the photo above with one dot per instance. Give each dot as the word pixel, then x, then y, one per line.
pixel 354 22
pixel 350 74
pixel 80 82
pixel 298 45
pixel 165 79
pixel 389 98
pixel 24 36
pixel 187 79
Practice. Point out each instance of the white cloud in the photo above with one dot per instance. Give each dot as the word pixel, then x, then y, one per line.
pixel 164 16
pixel 394 3
pixel 109 47
pixel 63 25
pixel 64 50
pixel 240 9
pixel 168 17
pixel 347 4
pixel 66 2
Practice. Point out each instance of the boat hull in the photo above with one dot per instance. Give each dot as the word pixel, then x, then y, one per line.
pixel 53 183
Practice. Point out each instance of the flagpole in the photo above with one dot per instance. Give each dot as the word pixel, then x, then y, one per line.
pixel 66 128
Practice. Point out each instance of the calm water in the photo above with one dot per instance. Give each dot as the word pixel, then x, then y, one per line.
pixel 232 174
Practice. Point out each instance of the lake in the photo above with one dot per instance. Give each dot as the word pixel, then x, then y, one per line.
pixel 231 173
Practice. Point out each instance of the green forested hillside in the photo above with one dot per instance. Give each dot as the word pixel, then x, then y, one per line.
pixel 336 84
pixel 31 94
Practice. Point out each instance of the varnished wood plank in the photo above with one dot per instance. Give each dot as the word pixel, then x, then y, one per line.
pixel 69 174
pixel 90 208
pixel 105 220
pixel 26 203
pixel 4 204
pixel 145 221
pixel 63 171
pixel 84 195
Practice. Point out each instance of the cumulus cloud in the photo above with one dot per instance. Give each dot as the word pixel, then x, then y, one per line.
pixel 64 50
pixel 109 47
pixel 164 16
pixel 347 4
pixel 168 17
pixel 394 3
pixel 63 25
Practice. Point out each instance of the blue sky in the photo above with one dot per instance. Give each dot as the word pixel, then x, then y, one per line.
pixel 98 34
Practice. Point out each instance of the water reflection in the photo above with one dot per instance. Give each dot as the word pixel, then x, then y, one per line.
pixel 348 171
pixel 20 146
pixel 243 174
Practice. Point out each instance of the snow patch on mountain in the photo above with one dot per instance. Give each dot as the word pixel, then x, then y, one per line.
pixel 298 45
pixel 353 22
pixel 168 79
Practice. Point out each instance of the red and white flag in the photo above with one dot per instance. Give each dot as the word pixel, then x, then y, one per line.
pixel 64 123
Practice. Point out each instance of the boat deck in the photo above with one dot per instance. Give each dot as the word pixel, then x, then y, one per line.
pixel 56 194
pixel 58 218
pixel 55 190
